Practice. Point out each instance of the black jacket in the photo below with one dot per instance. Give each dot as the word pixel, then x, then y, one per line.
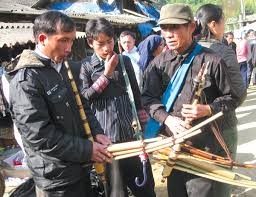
pixel 218 91
pixel 233 69
pixel 47 117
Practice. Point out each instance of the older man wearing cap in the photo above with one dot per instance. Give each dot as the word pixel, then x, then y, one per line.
pixel 167 94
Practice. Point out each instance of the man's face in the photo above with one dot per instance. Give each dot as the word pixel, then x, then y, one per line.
pixel 102 45
pixel 127 42
pixel 178 37
pixel 57 46
pixel 251 35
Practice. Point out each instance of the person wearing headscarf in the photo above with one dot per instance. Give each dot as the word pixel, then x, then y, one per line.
pixel 148 49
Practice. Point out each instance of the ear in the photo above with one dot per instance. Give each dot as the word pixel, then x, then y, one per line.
pixel 41 38
pixel 212 26
pixel 193 26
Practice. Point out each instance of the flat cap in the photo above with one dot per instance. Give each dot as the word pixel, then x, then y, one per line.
pixel 176 13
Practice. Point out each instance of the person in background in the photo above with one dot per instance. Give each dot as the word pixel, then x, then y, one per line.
pixel 229 36
pixel 251 37
pixel 148 49
pixel 242 53
pixel 104 86
pixel 177 26
pixel 45 112
pixel 127 41
pixel 210 30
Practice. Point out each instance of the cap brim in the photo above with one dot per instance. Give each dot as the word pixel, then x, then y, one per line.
pixel 175 21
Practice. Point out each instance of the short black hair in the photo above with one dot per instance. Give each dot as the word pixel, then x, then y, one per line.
pixel 51 22
pixel 125 33
pixel 229 33
pixel 96 26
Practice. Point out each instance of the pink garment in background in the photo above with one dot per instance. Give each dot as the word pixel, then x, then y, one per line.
pixel 242 50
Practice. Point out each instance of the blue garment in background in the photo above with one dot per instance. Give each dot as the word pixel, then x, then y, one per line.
pixel 146 49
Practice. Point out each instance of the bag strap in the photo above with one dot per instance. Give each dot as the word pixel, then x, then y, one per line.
pixel 173 89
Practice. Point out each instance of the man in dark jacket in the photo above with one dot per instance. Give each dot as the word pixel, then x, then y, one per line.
pixel 46 114
pixel 177 25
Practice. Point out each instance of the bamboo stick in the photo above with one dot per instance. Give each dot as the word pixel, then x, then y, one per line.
pixel 154 146
pixel 210 167
pixel 201 124
pixel 199 172
pixel 131 145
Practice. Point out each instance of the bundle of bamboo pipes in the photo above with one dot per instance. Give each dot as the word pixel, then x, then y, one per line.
pixel 176 159
pixel 130 149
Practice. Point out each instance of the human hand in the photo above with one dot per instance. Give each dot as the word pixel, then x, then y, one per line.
pixel 100 153
pixel 110 64
pixel 176 125
pixel 193 112
pixel 102 139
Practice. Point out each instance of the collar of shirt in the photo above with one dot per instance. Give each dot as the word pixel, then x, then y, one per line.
pixel 185 53
pixel 56 66
pixel 133 54
pixel 102 62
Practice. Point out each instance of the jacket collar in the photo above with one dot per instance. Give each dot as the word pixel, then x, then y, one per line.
pixel 185 53
pixel 95 61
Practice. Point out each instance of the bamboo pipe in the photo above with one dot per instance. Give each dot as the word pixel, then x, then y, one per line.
pixel 210 167
pixel 99 167
pixel 131 145
pixel 219 162
pixel 203 164
pixel 173 155
pixel 179 138
pixel 201 124
pixel 170 141
pixel 214 158
pixel 153 147
pixel 199 172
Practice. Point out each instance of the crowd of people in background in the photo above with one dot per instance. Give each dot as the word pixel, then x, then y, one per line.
pixel 41 99
pixel 244 48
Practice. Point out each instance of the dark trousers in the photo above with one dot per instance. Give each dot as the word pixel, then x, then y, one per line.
pixel 249 73
pixel 81 189
pixel 181 184
pixel 243 70
pixel 129 169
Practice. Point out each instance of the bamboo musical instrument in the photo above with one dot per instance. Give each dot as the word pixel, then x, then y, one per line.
pixel 129 149
pixel 204 168
pixel 137 144
pixel 99 167
pixel 213 158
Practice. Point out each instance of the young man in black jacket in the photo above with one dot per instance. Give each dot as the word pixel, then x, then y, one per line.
pixel 104 86
pixel 46 114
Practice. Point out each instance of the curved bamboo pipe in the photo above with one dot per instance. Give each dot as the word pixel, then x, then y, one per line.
pixel 99 167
